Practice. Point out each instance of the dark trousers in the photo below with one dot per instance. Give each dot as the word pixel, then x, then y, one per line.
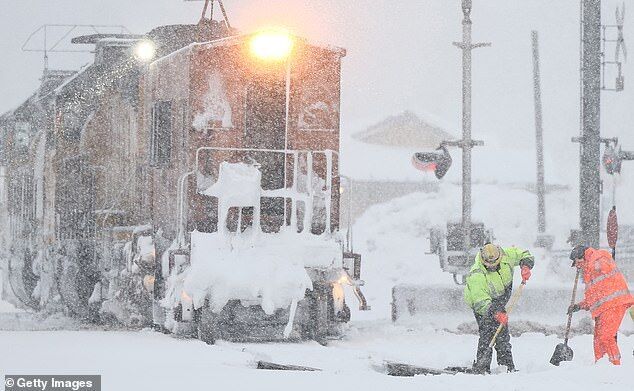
pixel 487 326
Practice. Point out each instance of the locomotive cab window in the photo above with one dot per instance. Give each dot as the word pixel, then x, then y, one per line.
pixel 161 135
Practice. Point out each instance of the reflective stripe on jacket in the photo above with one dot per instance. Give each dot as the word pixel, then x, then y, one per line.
pixel 488 291
pixel 605 285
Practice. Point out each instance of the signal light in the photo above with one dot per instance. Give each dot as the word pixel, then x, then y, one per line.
pixel 438 162
pixel 612 160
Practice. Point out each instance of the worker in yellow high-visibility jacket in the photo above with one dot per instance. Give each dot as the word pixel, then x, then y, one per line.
pixel 488 289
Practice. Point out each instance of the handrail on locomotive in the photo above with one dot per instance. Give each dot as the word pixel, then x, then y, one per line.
pixel 294 153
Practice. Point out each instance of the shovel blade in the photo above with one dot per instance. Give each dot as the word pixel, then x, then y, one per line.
pixel 562 352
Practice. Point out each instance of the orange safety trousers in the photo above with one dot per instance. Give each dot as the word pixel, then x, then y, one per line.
pixel 606 325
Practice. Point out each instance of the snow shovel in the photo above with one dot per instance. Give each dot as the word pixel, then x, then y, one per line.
pixel 509 308
pixel 563 352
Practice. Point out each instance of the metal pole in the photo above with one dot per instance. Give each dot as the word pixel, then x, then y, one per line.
pixel 590 181
pixel 45 52
pixel 539 136
pixel 224 13
pixel 466 125
pixel 4 211
pixel 467 143
pixel 287 102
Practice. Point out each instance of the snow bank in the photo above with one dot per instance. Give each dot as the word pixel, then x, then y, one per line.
pixel 393 237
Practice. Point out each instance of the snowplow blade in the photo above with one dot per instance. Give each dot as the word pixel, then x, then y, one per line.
pixel 563 352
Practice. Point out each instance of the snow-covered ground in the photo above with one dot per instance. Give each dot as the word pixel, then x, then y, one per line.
pixel 6 307
pixel 392 237
pixel 147 360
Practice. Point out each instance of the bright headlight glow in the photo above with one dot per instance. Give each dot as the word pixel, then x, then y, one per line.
pixel 271 45
pixel 144 50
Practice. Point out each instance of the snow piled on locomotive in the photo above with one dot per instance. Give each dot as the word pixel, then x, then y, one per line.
pixel 270 270
pixel 251 267
pixel 217 109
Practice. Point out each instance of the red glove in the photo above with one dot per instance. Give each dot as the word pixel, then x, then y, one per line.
pixel 526 273
pixel 502 318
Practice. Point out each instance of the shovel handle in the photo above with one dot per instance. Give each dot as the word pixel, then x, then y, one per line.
pixel 509 308
pixel 497 332
pixel 572 302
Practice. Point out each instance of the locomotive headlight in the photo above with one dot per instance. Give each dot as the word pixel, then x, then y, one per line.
pixel 144 50
pixel 271 45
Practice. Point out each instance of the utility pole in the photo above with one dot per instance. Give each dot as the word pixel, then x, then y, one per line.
pixel 458 246
pixel 539 137
pixel 589 176
pixel 543 240
pixel 467 143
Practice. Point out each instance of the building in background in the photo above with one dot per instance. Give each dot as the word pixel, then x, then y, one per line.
pixel 377 162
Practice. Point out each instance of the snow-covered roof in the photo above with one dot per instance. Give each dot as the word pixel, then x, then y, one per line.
pixel 235 39
pixel 405 130
pixel 118 41
pixel 185 49
pixel 71 79
pixel 230 40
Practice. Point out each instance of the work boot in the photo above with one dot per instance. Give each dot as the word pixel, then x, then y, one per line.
pixel 480 369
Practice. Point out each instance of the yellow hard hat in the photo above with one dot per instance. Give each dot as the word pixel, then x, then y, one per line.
pixel 490 255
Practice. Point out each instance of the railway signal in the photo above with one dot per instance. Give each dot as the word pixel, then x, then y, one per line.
pixel 457 246
pixel 613 158
pixel 437 162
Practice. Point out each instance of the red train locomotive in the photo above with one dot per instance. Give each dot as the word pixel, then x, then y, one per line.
pixel 187 179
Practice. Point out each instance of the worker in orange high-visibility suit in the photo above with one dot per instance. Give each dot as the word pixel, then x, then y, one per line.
pixel 606 297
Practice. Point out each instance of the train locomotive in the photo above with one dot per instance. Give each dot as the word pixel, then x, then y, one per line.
pixel 186 180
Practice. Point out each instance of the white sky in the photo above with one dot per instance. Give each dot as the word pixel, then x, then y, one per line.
pixel 399 57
